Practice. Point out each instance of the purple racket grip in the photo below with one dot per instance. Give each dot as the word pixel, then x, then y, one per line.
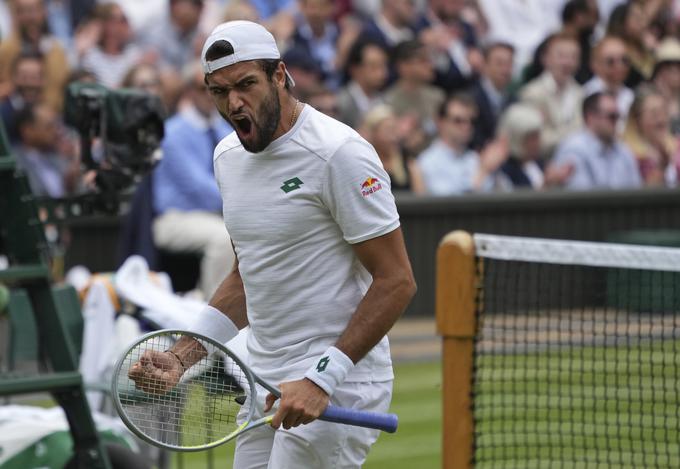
pixel 385 422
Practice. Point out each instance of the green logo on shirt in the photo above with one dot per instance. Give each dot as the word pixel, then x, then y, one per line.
pixel 291 185
pixel 323 363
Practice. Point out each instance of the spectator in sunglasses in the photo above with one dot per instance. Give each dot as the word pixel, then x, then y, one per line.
pixel 631 22
pixel 449 166
pixel 611 65
pixel 599 159
pixel 648 134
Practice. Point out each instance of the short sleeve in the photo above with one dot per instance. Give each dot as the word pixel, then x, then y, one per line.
pixel 357 192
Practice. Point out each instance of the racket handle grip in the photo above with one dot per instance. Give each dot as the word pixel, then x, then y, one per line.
pixel 379 421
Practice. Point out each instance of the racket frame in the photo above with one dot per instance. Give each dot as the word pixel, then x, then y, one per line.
pixel 250 377
pixel 384 422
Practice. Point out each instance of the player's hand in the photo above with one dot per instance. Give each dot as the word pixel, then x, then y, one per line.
pixel 302 402
pixel 156 372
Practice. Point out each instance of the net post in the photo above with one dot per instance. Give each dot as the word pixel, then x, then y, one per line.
pixel 455 314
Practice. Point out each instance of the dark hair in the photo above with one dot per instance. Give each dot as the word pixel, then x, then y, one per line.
pixel 616 26
pixel 222 48
pixel 198 3
pixel 591 104
pixel 555 38
pixel 406 50
pixel 104 11
pixel 299 58
pixel 487 49
pixel 573 8
pixel 355 55
pixel 463 98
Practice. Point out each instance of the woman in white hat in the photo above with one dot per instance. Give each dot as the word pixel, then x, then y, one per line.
pixel 666 78
pixel 524 168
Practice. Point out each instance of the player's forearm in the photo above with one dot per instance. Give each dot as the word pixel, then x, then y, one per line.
pixel 188 351
pixel 380 308
pixel 230 299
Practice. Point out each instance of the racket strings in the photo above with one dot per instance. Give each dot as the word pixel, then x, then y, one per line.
pixel 200 410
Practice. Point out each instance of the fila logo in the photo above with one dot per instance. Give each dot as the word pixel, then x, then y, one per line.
pixel 291 185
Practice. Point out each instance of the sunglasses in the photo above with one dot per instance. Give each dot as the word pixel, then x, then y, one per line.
pixel 614 60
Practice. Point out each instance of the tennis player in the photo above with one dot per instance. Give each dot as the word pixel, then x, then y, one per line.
pixel 321 273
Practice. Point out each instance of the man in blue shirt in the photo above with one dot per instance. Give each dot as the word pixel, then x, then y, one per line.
pixel 599 160
pixel 449 165
pixel 185 196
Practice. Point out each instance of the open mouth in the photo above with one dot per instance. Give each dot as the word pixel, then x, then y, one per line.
pixel 244 126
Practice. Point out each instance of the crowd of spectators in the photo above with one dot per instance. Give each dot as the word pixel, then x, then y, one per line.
pixel 456 96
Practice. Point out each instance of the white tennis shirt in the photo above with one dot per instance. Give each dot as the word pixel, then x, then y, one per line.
pixel 293 212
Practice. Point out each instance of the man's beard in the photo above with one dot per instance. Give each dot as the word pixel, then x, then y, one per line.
pixel 265 122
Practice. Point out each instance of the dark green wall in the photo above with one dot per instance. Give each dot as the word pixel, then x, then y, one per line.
pixel 590 216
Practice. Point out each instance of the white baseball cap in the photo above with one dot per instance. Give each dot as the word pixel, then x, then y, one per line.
pixel 251 41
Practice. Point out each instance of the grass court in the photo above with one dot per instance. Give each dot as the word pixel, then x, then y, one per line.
pixel 416 444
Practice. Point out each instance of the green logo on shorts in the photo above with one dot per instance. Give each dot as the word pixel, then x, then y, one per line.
pixel 291 185
pixel 323 363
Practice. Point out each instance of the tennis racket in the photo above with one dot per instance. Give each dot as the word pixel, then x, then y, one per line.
pixel 200 411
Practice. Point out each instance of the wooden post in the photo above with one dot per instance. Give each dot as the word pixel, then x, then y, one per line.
pixel 455 309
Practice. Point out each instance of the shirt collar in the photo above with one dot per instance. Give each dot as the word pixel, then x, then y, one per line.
pixel 452 151
pixel 550 82
pixel 329 32
pixel 597 84
pixel 363 102
pixel 394 35
pixel 495 95
pixel 601 147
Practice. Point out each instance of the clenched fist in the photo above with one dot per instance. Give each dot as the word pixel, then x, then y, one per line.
pixel 156 372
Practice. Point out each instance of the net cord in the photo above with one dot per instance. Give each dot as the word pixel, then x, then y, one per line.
pixel 549 251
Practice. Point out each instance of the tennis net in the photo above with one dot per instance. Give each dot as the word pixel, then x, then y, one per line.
pixel 575 354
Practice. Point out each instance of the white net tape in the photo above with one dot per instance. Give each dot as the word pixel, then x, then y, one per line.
pixel 548 251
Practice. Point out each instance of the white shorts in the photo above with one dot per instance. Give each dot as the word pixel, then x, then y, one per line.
pixel 318 445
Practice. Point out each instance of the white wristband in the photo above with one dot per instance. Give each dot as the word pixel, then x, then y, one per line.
pixel 212 323
pixel 330 370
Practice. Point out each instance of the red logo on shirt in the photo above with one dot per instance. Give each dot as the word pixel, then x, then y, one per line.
pixel 369 186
